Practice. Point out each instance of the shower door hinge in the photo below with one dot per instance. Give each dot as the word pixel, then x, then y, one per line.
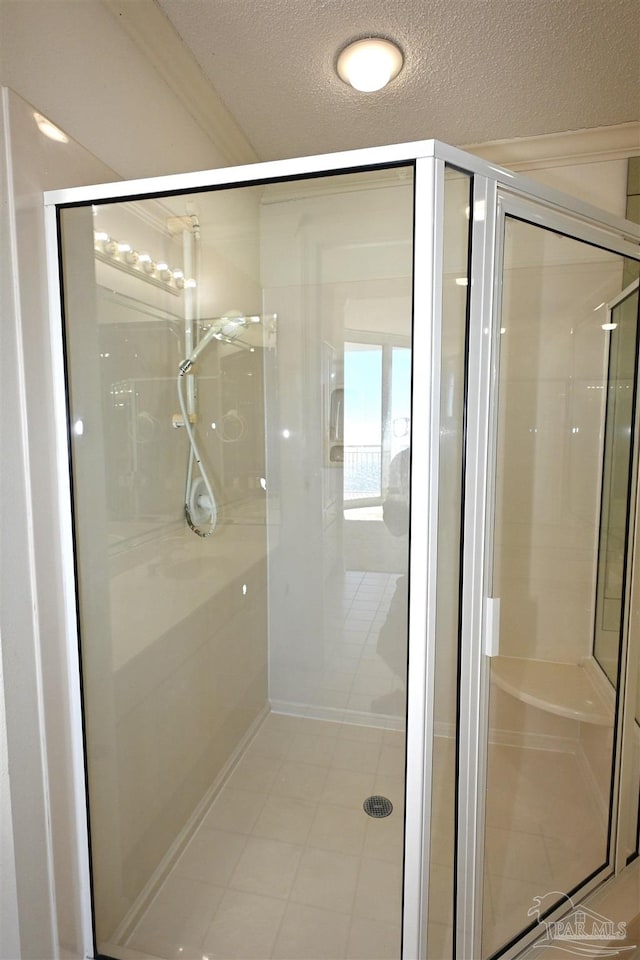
pixel 492 626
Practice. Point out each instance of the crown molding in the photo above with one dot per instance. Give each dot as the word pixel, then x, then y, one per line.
pixel 592 145
pixel 158 41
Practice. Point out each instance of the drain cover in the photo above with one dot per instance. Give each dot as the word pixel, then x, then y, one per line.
pixel 377 807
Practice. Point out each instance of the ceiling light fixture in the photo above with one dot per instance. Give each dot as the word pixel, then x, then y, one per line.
pixel 49 129
pixel 369 64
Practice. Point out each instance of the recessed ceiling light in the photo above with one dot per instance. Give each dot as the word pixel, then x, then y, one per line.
pixel 49 129
pixel 369 64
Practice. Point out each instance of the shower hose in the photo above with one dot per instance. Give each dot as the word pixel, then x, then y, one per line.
pixel 200 506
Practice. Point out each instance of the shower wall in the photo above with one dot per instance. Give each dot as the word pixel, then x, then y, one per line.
pixel 553 365
pixel 553 372
pixel 336 270
pixel 173 628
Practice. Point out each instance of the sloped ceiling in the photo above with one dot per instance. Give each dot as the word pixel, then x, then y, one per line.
pixel 475 70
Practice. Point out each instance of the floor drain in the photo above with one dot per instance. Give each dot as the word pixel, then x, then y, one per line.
pixel 377 807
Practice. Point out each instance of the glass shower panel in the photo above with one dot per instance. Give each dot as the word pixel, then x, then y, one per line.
pixel 172 625
pixel 552 707
pixel 622 321
pixel 243 637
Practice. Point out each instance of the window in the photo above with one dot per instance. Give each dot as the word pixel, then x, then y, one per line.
pixel 377 412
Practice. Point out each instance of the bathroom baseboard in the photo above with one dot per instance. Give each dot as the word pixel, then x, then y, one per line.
pixel 336 715
pixel 125 953
pixel 151 888
pixel 533 741
pixel 516 738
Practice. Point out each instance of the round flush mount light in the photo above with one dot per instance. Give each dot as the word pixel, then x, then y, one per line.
pixel 49 129
pixel 369 64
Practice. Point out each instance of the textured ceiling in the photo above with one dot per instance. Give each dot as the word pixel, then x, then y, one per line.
pixel 475 70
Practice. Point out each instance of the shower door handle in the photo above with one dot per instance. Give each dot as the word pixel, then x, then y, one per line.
pixel 492 626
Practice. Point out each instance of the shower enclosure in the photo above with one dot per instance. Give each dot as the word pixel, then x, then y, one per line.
pixel 350 527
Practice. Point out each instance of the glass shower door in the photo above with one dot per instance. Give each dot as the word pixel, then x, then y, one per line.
pixel 552 721
pixel 622 320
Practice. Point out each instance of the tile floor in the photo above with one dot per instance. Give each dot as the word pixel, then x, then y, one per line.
pixel 544 833
pixel 286 863
pixel 345 669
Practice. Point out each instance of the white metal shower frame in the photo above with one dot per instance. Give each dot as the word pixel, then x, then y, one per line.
pixel 496 192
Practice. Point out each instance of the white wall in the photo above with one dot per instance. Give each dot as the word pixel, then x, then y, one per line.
pixel 31 592
pixel 603 182
pixel 9 443
pixel 9 925
pixel 336 266
pixel 76 62
pixel 552 380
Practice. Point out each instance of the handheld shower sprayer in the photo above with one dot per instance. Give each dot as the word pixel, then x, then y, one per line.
pixel 226 329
